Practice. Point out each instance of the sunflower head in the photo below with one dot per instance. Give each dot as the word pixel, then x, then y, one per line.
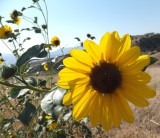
pixel 55 41
pixel 17 21
pixel 1 60
pixel 45 66
pixel 52 125
pixel 5 32
pixel 15 18
pixel 14 14
pixel 103 78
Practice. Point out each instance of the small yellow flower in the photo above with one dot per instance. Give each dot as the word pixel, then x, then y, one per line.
pixel 55 41
pixel 1 60
pixel 15 18
pixel 103 78
pixel 45 66
pixel 17 21
pixel 48 117
pixel 5 32
pixel 52 125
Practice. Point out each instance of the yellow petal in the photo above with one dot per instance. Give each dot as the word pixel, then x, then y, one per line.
pixel 93 50
pixel 82 108
pixel 82 56
pixel 96 110
pixel 107 118
pixel 125 44
pixel 67 99
pixel 116 116
pixel 67 84
pixel 141 77
pixel 115 42
pixel 109 45
pixel 78 91
pixel 139 89
pixel 69 74
pixel 77 66
pixel 135 99
pixel 129 56
pixel 141 62
pixel 123 107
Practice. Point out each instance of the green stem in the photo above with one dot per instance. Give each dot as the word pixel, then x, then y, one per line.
pixel 61 50
pixel 6 45
pixel 27 19
pixel 26 87
pixel 46 20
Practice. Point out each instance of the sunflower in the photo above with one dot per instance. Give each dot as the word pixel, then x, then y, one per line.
pixel 15 18
pixel 1 60
pixel 17 21
pixel 45 66
pixel 5 32
pixel 53 124
pixel 103 78
pixel 55 41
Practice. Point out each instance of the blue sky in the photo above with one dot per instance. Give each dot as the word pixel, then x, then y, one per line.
pixel 73 18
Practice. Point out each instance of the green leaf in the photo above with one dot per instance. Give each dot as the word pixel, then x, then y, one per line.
pixel 35 0
pixel 88 35
pixel 24 67
pixel 48 45
pixel 16 30
pixel 9 21
pixel 17 92
pixel 42 82
pixel 35 20
pixel 77 39
pixel 35 51
pixel 152 61
pixel 92 37
pixel 8 71
pixel 51 104
pixel 27 29
pixel 15 35
pixel 37 30
pixel 19 13
pixel 26 115
pixel 23 9
pixel 28 38
pixel 32 81
pixel 44 26
pixel 31 6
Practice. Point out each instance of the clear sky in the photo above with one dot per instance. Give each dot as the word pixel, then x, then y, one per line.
pixel 73 18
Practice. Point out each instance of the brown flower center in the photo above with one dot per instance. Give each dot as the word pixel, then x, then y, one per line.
pixel 8 34
pixel 56 42
pixel 105 78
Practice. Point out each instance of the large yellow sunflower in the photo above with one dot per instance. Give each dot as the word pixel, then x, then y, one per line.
pixel 5 32
pixel 103 78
